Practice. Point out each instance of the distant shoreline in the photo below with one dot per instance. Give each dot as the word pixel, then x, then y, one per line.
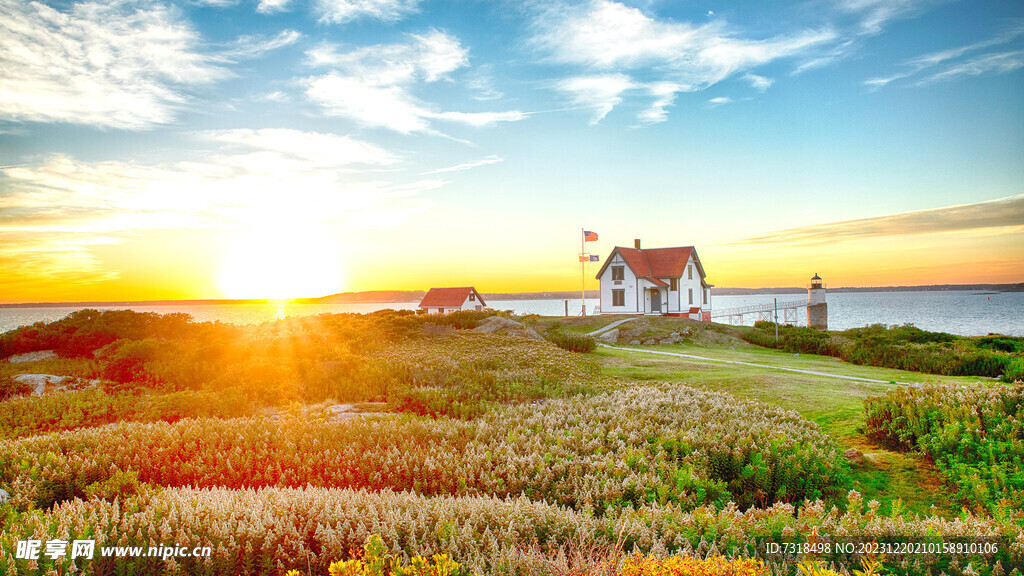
pixel 405 296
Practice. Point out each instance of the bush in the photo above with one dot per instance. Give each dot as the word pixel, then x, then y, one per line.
pixel 972 433
pixel 571 341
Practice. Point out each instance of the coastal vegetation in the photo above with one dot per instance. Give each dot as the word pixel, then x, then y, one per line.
pixel 491 453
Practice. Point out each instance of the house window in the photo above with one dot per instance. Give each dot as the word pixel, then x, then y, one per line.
pixel 705 296
pixel 689 273
pixel 674 284
pixel 618 297
pixel 691 296
pixel 617 273
pixel 472 297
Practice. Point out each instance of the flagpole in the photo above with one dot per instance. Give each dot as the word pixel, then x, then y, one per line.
pixel 583 277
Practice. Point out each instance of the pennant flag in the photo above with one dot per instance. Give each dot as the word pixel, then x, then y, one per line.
pixel 589 236
pixel 583 258
pixel 595 258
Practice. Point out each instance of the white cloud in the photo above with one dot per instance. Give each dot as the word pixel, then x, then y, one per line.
pixel 373 85
pixel 759 82
pixel 719 101
pixel 999 63
pixel 992 62
pixel 600 93
pixel 272 6
pixel 664 96
pixel 875 14
pixel 256 46
pixel 608 37
pixel 339 11
pixel 487 161
pixel 99 64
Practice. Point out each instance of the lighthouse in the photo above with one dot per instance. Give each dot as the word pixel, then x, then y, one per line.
pixel 817 309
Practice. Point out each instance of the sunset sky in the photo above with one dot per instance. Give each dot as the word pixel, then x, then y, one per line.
pixel 298 148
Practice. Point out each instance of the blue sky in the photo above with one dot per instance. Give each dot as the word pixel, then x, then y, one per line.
pixel 206 149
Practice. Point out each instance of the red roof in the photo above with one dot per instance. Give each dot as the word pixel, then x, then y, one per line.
pixel 449 297
pixel 652 263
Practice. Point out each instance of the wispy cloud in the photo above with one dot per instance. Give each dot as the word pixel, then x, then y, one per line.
pixel 613 39
pixel 110 65
pixel 876 14
pixel 951 63
pixel 759 83
pixel 373 85
pixel 340 11
pixel 599 93
pixel 272 6
pixel 256 46
pixel 719 101
pixel 1004 212
pixel 487 161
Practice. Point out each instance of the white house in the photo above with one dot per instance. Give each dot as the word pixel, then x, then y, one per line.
pixel 444 300
pixel 666 281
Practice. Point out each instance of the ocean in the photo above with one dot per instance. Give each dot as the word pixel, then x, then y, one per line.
pixel 957 312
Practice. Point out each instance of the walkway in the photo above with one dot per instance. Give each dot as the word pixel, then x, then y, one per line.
pixel 615 324
pixel 812 372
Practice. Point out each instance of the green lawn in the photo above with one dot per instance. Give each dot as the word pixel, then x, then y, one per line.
pixel 835 404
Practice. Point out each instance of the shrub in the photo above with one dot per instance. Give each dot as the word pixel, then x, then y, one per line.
pixel 972 432
pixel 572 341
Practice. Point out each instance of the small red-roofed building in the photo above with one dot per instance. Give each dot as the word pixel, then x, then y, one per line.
pixel 445 300
pixel 664 281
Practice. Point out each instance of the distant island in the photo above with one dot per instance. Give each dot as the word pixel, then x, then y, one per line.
pixel 405 296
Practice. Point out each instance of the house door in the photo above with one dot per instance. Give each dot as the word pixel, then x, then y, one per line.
pixel 656 301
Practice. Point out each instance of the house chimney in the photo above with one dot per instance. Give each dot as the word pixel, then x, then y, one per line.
pixel 636 243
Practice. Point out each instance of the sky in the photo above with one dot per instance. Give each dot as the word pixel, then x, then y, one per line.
pixel 299 148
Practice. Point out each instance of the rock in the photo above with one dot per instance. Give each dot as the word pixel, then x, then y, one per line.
pixel 43 381
pixel 634 342
pixel 854 456
pixel 497 323
pixel 339 408
pixel 531 333
pixel 32 356
pixel 650 342
pixel 611 336
pixel 4 496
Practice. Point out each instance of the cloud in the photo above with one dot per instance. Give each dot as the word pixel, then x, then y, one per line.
pixel 487 161
pixel 759 83
pixel 1004 212
pixel 373 85
pixel 610 38
pixel 109 65
pixel 719 101
pixel 340 11
pixel 986 63
pixel 1000 63
pixel 52 214
pixel 875 14
pixel 272 6
pixel 256 46
pixel 599 93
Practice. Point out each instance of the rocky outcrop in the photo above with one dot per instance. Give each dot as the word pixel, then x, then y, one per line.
pixel 502 325
pixel 32 356
pixel 610 337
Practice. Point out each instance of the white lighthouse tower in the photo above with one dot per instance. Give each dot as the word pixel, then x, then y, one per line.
pixel 817 309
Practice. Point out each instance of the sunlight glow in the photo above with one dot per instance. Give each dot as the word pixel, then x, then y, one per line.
pixel 280 263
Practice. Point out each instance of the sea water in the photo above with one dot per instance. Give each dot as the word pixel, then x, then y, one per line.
pixel 967 313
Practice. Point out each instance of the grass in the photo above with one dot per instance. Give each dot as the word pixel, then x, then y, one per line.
pixel 835 404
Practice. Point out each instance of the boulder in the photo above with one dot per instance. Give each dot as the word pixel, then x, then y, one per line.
pixel 611 336
pixel 4 496
pixel 32 356
pixel 650 342
pixel 496 324
pixel 634 342
pixel 854 456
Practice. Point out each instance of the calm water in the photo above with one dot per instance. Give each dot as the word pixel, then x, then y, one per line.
pixel 964 313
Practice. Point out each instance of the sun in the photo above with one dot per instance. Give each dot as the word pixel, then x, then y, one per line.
pixel 279 263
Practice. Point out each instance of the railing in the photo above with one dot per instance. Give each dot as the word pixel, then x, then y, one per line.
pixel 741 310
